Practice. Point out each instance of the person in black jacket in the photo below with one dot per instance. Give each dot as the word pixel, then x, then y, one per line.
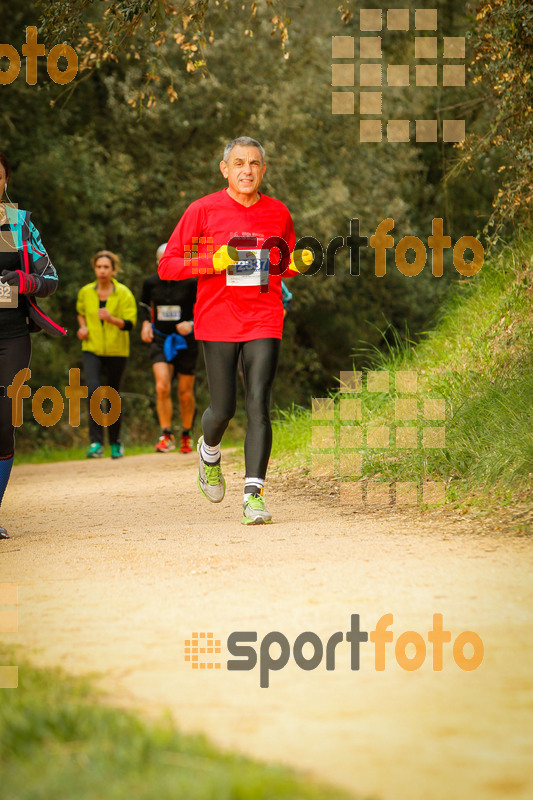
pixel 166 312
pixel 26 272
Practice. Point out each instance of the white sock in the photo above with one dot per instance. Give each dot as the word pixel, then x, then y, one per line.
pixel 210 454
pixel 253 484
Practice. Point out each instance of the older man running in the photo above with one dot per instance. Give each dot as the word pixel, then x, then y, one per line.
pixel 229 239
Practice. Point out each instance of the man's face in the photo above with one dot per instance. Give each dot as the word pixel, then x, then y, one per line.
pixel 244 170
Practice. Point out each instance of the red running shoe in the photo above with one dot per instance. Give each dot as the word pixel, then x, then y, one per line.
pixel 3 533
pixel 186 444
pixel 165 444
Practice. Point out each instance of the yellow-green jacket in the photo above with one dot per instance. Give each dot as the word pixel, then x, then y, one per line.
pixel 106 339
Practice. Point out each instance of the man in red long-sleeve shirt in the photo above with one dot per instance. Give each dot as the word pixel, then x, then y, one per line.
pixel 238 309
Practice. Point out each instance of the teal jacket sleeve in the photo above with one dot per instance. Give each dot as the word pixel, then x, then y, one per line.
pixel 44 273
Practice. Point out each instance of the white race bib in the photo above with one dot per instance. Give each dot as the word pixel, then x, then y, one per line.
pixel 9 296
pixel 250 270
pixel 169 313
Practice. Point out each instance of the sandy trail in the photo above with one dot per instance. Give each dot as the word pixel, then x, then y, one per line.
pixel 119 562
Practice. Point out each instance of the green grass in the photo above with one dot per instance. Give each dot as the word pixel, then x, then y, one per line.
pixel 479 359
pixel 292 436
pixel 48 453
pixel 58 741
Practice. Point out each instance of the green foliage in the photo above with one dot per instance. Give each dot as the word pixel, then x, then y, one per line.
pixel 503 68
pixel 142 30
pixel 56 740
pixel 98 173
pixel 479 358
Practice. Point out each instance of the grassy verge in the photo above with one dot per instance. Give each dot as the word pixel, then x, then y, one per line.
pixel 479 360
pixel 48 453
pixel 57 741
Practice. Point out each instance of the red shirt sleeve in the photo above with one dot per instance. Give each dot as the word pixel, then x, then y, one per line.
pixel 181 259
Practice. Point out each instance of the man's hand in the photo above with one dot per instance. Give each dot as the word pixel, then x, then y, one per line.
pixel 104 314
pixel 184 328
pixel 83 332
pixel 147 332
pixel 26 284
pixel 224 257
pixel 301 260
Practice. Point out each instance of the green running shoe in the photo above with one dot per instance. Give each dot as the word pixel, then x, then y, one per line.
pixel 117 450
pixel 210 478
pixel 254 511
pixel 95 450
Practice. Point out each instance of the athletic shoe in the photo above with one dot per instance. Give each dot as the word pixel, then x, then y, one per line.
pixel 96 450
pixel 165 444
pixel 3 533
pixel 210 478
pixel 186 444
pixel 254 511
pixel 117 450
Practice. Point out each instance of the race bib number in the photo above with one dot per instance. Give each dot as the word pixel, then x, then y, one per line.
pixel 169 313
pixel 250 270
pixel 9 296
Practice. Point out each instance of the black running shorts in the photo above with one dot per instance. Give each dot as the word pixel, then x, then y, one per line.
pixel 185 361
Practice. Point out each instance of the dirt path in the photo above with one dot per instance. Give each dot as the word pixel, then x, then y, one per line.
pixel 118 563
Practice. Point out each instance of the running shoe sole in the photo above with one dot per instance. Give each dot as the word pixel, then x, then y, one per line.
pixel 257 521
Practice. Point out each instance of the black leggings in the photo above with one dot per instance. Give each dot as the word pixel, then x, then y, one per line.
pixel 259 361
pixel 15 354
pixel 103 371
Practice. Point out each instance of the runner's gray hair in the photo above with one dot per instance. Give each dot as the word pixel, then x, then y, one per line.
pixel 243 141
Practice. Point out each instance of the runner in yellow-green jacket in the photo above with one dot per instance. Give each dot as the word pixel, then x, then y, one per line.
pixel 106 313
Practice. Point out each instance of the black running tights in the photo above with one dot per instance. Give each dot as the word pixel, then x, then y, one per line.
pixel 15 354
pixel 97 369
pixel 259 360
